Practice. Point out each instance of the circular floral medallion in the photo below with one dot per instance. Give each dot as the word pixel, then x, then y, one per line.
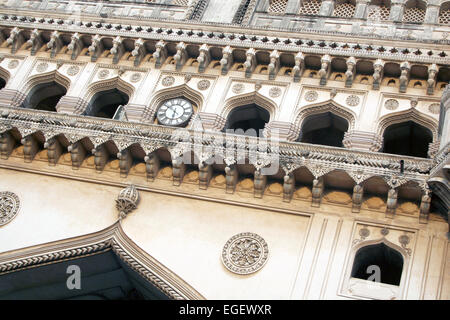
pixel 352 100
pixel 9 206
pixel 434 108
pixel 73 70
pixel 135 77
pixel 237 88
pixel 203 84
pixel 404 240
pixel 311 96
pixel 275 92
pixel 41 67
pixel 102 74
pixel 245 253
pixel 391 104
pixel 364 232
pixel 13 64
pixel 384 232
pixel 168 81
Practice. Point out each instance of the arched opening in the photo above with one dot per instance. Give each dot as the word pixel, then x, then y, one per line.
pixel 344 9
pixel 2 83
pixel 379 10
pixel 44 96
pixel 104 104
pixel 325 129
pixel 444 13
pixel 248 120
pixel 414 11
pixel 408 139
pixel 378 257
pixel 277 6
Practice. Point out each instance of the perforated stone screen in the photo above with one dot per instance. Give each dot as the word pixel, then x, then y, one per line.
pixel 310 8
pixel 344 10
pixel 277 6
pixel 181 2
pixel 378 13
pixel 414 15
pixel 444 17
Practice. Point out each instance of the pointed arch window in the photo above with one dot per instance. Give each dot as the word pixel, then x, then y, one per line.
pixel 407 138
pixel 104 104
pixel 44 96
pixel 325 129
pixel 250 120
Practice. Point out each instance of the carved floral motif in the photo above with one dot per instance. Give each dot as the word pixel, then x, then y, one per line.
pixel 9 206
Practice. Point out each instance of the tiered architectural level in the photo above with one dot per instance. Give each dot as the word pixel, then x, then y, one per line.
pixel 352 100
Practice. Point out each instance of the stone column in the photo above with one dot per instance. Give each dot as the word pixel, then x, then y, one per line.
pixel 327 8
pixel 361 9
pixel 432 13
pixel 293 7
pixel 397 10
pixel 262 6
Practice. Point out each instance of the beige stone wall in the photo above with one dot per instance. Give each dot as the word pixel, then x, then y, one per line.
pixel 185 229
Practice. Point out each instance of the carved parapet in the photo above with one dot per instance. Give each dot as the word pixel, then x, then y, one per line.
pixel 55 44
pixel 405 68
pixel 125 162
pixel 288 187
pixel 282 130
pixel 181 56
pixel 260 182
pixel 71 105
pixel 96 48
pixel 160 54
pixel 299 66
pixel 425 205
pixel 203 58
pixel 7 143
pixel 10 97
pixel 30 148
pixel 101 156
pixel 227 59
pixel 378 67
pixel 317 192
pixel 35 41
pixel 117 50
pixel 77 154
pixel 15 39
pixel 350 73
pixel 325 69
pixel 138 52
pixel 357 198
pixel 204 175
pixel 431 82
pixel 250 63
pixel 211 121
pixel 54 151
pixel 362 140
pixel 152 165
pixel 231 178
pixel 178 171
pixel 274 65
pixel 391 204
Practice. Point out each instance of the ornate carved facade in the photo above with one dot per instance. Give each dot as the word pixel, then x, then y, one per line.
pixel 268 143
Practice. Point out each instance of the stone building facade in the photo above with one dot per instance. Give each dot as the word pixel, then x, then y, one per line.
pixel 116 153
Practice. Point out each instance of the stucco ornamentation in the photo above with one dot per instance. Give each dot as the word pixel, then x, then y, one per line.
pixel 168 81
pixel 245 253
pixel 127 201
pixel 275 92
pixel 41 67
pixel 9 206
pixel 102 74
pixel 391 104
pixel 73 70
pixel 311 96
pixel 13 64
pixel 203 85
pixel 434 108
pixel 237 88
pixel 135 77
pixel 352 100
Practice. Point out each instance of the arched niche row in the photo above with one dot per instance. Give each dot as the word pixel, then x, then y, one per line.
pixel 44 96
pixel 325 129
pixel 249 119
pixel 104 104
pixel 379 257
pixel 408 139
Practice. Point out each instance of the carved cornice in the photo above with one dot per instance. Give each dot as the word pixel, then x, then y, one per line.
pixel 290 154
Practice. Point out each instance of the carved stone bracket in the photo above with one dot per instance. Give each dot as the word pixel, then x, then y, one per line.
pixel 350 73
pixel 227 59
pixel 55 44
pixel 299 66
pixel 35 41
pixel 204 58
pixel 75 45
pixel 15 39
pixel 274 65
pixel 250 63
pixel 138 52
pixel 96 48
pixel 117 50
pixel 378 67
pixel 160 54
pixel 181 56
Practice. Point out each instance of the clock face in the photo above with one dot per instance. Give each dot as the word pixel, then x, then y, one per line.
pixel 175 112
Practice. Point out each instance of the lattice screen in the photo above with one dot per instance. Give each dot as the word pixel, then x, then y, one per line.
pixel 310 7
pixel 277 6
pixel 380 13
pixel 444 17
pixel 414 15
pixel 344 10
